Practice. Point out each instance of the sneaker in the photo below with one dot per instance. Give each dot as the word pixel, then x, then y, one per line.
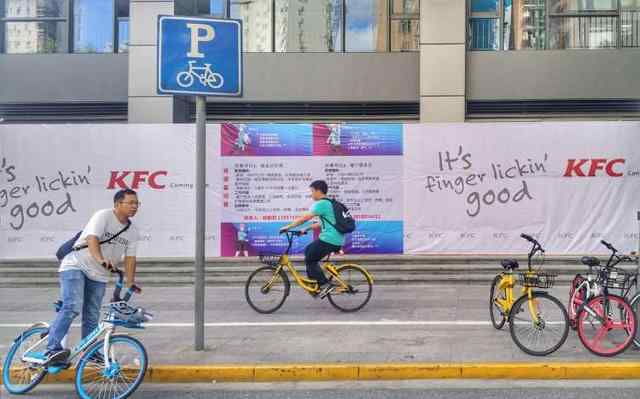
pixel 325 290
pixel 56 357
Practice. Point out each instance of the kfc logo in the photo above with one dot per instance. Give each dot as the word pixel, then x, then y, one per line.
pixel 134 179
pixel 594 167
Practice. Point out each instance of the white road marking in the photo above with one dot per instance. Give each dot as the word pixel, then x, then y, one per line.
pixel 306 323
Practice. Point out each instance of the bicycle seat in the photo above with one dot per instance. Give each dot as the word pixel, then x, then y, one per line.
pixel 590 261
pixel 510 264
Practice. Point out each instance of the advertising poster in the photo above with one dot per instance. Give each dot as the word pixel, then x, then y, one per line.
pixel 477 187
pixel 413 188
pixel 267 170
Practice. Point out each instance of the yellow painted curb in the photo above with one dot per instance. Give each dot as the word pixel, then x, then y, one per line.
pixel 408 371
pixel 306 372
pixel 204 373
pixel 381 371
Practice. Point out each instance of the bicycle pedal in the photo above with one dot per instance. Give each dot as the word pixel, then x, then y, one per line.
pixel 55 369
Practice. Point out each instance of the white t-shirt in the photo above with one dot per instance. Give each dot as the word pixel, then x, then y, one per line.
pixel 104 225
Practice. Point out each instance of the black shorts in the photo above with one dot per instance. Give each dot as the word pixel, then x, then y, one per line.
pixel 241 245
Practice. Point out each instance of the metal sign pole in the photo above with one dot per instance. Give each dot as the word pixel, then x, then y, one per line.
pixel 187 45
pixel 201 166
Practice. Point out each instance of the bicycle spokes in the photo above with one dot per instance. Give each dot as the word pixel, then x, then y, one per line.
pixel 539 325
pixel 117 377
pixel 20 376
pixel 353 289
pixel 266 289
pixel 607 325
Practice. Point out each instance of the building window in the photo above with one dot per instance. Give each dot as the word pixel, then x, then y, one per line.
pixel 123 35
pixel 484 6
pixel 122 19
pixel 93 28
pixel 553 24
pixel 44 26
pixel 630 23
pixel 484 25
pixel 405 25
pixel 366 24
pixel 308 25
pixel 217 8
pixel 484 34
pixel 524 25
pixel 34 26
pixel 583 24
pixel 256 16
pixel 102 26
pixel 318 25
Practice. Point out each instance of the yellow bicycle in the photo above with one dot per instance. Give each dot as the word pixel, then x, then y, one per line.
pixel 268 286
pixel 538 321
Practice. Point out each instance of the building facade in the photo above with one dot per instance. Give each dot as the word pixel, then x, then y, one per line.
pixel 427 60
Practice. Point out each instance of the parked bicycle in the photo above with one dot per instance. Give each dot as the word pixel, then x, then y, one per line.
pixel 538 321
pixel 109 368
pixel 606 323
pixel 268 287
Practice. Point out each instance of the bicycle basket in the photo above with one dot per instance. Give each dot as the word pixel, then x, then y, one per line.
pixel 538 280
pixel 270 259
pixel 618 279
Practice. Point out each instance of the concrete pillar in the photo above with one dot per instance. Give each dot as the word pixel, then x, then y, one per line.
pixel 145 106
pixel 442 60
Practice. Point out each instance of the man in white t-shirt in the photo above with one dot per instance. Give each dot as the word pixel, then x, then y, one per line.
pixel 84 273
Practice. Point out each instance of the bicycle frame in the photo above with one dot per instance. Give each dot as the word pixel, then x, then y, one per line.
pixel 507 284
pixel 307 284
pixel 603 288
pixel 84 344
pixel 105 327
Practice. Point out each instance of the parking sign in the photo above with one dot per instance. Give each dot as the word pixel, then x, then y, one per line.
pixel 199 56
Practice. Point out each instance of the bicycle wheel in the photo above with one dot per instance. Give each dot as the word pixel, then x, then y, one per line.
pixel 606 327
pixel 214 80
pixel 128 365
pixel 266 290
pixel 635 305
pixel 539 328
pixel 498 317
pixel 20 377
pixel 356 294
pixel 577 297
pixel 184 79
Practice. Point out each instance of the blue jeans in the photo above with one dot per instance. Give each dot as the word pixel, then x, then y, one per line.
pixel 78 292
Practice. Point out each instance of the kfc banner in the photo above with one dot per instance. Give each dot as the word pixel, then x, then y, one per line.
pixel 54 177
pixel 414 188
pixel 477 187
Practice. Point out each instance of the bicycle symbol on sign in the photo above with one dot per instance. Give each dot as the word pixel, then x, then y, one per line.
pixel 207 77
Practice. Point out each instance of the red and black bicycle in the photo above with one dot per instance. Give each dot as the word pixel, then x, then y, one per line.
pixel 606 323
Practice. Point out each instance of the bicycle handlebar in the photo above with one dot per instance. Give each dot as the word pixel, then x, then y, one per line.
pixel 293 233
pixel 609 246
pixel 134 289
pixel 536 244
pixel 527 237
pixel 290 234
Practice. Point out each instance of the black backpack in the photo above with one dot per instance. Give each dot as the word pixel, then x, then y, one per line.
pixel 345 223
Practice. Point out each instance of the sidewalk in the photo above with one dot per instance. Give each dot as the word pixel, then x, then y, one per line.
pixel 414 331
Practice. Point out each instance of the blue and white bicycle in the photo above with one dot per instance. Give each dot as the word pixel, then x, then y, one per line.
pixel 110 365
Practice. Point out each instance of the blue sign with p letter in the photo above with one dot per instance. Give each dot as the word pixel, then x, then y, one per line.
pixel 199 56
